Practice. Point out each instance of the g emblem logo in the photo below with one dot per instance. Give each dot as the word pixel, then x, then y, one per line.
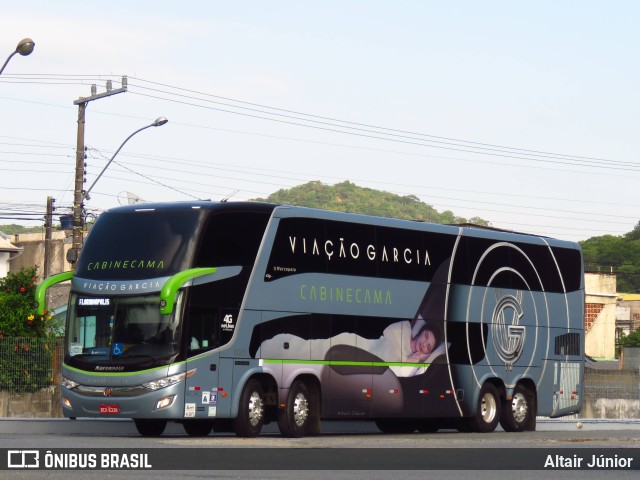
pixel 508 335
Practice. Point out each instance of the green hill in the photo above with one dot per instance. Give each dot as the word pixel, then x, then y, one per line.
pixel 13 229
pixel 348 197
pixel 615 254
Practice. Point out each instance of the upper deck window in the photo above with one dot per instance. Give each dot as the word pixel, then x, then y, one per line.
pixel 137 245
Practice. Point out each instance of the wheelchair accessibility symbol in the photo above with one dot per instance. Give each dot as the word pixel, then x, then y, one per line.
pixel 117 349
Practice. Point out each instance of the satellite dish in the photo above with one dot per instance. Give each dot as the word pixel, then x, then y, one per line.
pixel 128 198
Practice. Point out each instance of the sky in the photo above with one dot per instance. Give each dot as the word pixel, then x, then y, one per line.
pixel 521 113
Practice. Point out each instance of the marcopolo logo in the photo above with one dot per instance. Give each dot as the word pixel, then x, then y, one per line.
pixel 23 459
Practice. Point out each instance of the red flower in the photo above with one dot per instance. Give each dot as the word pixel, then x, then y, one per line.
pixel 22 289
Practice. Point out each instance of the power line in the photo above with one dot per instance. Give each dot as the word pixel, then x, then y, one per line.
pixel 333 120
pixel 351 128
pixel 315 120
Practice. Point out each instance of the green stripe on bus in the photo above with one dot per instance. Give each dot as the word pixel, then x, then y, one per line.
pixel 345 363
pixel 120 374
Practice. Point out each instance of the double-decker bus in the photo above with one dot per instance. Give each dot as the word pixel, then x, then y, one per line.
pixel 228 316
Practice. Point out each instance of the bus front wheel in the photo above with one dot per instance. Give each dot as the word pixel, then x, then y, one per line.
pixel 251 410
pixel 487 412
pixel 299 416
pixel 517 414
pixel 150 428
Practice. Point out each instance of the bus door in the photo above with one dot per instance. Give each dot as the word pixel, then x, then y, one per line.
pixel 208 328
pixel 201 387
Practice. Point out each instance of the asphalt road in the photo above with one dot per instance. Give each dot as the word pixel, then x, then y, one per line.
pixel 338 438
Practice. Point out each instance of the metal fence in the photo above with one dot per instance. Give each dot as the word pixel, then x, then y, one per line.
pixel 622 384
pixel 30 376
pixel 28 364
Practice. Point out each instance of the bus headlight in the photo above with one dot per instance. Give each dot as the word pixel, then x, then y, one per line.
pixel 165 402
pixel 70 384
pixel 164 382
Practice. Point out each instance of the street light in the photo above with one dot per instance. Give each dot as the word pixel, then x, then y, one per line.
pixel 24 48
pixel 80 196
pixel 157 122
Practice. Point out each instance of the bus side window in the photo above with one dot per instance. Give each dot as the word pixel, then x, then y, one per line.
pixel 202 328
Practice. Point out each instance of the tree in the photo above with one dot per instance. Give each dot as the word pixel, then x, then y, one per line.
pixel 634 235
pixel 631 340
pixel 615 254
pixel 348 197
pixel 18 316
pixel 14 229
pixel 26 348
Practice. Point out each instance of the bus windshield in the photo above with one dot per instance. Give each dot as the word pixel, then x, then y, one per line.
pixel 139 245
pixel 104 330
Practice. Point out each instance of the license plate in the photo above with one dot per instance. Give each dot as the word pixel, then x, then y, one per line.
pixel 109 409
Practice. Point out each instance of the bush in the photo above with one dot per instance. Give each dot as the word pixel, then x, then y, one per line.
pixel 26 364
pixel 18 316
pixel 631 340
pixel 26 347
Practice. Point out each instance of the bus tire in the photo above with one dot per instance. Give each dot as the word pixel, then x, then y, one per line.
pixel 296 418
pixel 250 417
pixel 396 425
pixel 487 411
pixel 517 414
pixel 197 428
pixel 150 428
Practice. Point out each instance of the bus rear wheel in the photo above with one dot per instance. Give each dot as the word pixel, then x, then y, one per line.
pixel 150 428
pixel 251 410
pixel 517 414
pixel 487 412
pixel 300 415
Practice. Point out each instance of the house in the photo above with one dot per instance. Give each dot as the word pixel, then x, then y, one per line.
pixel 8 252
pixel 600 315
pixel 628 312
pixel 32 246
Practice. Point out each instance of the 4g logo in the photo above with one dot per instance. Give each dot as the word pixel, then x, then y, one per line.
pixel 227 323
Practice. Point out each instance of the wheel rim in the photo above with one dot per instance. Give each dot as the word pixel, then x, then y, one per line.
pixel 256 409
pixel 519 407
pixel 300 409
pixel 488 407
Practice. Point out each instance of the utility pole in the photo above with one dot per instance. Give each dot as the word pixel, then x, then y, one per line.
pixel 48 226
pixel 78 195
